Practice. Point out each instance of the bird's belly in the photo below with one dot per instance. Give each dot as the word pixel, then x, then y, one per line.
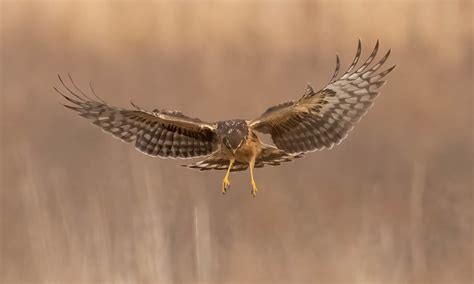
pixel 249 150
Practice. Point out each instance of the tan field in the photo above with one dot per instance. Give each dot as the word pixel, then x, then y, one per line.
pixel 392 204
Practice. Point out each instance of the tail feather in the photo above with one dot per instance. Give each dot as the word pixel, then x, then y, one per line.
pixel 273 156
pixel 217 163
pixel 270 155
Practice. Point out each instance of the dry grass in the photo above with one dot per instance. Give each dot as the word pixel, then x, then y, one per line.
pixel 392 204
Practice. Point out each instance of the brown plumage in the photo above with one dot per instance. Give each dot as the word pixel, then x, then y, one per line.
pixel 318 120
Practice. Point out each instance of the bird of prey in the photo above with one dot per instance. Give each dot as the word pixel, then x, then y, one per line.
pixel 316 121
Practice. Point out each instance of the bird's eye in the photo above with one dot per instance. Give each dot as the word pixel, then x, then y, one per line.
pixel 226 143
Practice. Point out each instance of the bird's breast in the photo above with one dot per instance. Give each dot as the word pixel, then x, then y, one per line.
pixel 250 149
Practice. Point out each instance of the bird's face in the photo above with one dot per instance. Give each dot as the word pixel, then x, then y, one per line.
pixel 232 143
pixel 233 134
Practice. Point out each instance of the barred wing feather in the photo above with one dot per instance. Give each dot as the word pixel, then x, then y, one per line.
pixel 163 133
pixel 322 119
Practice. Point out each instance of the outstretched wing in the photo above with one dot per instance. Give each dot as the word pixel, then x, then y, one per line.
pixel 158 133
pixel 322 119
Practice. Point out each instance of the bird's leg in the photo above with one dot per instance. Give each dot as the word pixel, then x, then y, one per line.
pixel 226 182
pixel 252 181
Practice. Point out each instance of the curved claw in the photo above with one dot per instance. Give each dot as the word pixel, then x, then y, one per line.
pixel 254 188
pixel 225 185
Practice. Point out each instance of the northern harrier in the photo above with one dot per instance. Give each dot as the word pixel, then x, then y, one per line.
pixel 318 120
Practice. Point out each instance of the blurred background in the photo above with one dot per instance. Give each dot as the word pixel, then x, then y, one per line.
pixel 392 204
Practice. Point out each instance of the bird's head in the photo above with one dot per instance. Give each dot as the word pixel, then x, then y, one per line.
pixel 233 134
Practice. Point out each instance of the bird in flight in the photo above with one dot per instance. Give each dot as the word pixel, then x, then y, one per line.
pixel 316 121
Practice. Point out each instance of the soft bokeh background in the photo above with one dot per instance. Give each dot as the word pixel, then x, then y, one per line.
pixel 392 204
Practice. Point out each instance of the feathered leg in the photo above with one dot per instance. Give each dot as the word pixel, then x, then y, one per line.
pixel 226 182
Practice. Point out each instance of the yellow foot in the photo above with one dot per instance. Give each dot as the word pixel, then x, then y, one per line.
pixel 225 185
pixel 254 189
